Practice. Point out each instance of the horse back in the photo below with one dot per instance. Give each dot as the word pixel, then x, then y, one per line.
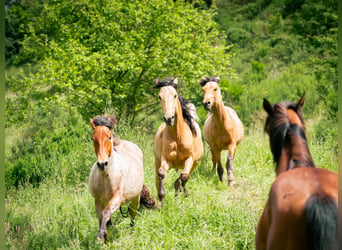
pixel 292 195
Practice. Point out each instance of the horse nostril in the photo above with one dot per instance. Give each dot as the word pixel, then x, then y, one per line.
pixel 101 165
pixel 106 163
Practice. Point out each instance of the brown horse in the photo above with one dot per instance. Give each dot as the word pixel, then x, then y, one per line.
pixel 117 177
pixel 222 129
pixel 301 212
pixel 178 142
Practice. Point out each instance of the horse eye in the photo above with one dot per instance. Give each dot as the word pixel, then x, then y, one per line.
pixel 110 138
pixel 175 96
pixel 215 89
pixel 159 97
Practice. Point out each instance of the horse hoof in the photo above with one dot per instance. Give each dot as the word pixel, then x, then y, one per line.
pixel 231 183
pixel 186 193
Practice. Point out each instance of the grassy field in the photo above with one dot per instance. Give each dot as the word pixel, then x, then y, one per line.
pixel 214 216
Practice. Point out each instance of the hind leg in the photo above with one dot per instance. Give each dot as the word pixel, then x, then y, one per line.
pixel 216 157
pixel 133 208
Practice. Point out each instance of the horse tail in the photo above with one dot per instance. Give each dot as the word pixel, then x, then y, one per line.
pixel 321 217
pixel 147 199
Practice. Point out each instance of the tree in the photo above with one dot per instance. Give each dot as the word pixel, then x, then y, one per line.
pixel 105 54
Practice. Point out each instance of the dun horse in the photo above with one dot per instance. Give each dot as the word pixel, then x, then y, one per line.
pixel 222 129
pixel 301 212
pixel 117 176
pixel 178 142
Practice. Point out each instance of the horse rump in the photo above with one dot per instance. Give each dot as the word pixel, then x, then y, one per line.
pixel 321 217
pixel 147 199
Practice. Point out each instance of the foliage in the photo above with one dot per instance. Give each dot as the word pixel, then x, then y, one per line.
pixel 50 133
pixel 104 54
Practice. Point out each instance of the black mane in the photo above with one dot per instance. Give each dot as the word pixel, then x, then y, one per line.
pixel 187 114
pixel 281 129
pixel 107 121
pixel 166 82
pixel 205 80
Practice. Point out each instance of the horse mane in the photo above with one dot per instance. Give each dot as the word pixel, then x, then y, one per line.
pixel 108 121
pixel 205 80
pixel 189 113
pixel 166 82
pixel 282 130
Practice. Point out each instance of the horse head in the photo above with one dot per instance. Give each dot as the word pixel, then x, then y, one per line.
pixel 168 97
pixel 212 93
pixel 285 126
pixel 103 139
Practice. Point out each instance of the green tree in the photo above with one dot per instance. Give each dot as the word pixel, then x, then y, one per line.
pixel 105 54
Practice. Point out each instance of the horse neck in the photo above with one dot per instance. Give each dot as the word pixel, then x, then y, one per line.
pixel 219 112
pixel 295 154
pixel 179 126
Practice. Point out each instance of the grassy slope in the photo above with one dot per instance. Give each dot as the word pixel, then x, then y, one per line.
pixel 212 217
pixel 57 215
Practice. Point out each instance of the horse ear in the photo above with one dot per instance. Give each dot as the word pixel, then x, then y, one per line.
pixel 217 79
pixel 156 81
pixel 268 107
pixel 301 101
pixel 92 123
pixel 175 81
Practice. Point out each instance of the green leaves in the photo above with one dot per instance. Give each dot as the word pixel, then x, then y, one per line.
pixel 108 52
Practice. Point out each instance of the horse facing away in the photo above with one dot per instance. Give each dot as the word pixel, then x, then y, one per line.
pixel 222 129
pixel 178 142
pixel 117 177
pixel 301 211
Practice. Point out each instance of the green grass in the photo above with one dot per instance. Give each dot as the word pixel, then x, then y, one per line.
pixel 214 216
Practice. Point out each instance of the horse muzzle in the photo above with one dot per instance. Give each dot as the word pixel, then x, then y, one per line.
pixel 169 120
pixel 102 165
pixel 207 106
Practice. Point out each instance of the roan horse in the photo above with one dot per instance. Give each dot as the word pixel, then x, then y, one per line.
pixel 301 211
pixel 117 176
pixel 178 142
pixel 222 129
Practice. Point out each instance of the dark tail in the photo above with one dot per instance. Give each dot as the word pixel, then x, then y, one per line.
pixel 146 198
pixel 321 215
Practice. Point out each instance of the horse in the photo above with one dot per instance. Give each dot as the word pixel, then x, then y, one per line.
pixel 301 211
pixel 117 176
pixel 178 142
pixel 222 129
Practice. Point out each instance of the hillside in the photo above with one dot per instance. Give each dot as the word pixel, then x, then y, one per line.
pixel 67 61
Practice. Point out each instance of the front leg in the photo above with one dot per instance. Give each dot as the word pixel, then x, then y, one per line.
pixel 106 215
pixel 164 167
pixel 185 175
pixel 229 164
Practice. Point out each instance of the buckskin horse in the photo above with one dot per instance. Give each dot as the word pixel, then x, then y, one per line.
pixel 222 129
pixel 178 142
pixel 117 177
pixel 301 211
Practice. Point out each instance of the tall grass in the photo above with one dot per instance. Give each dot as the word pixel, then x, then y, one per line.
pixel 214 216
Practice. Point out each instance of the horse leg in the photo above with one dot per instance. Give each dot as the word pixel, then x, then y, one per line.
pixel 106 214
pixel 214 161
pixel 133 208
pixel 263 229
pixel 161 173
pixel 185 175
pixel 217 159
pixel 229 164
pixel 98 208
pixel 177 186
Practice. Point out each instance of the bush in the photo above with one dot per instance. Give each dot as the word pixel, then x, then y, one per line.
pixel 50 148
